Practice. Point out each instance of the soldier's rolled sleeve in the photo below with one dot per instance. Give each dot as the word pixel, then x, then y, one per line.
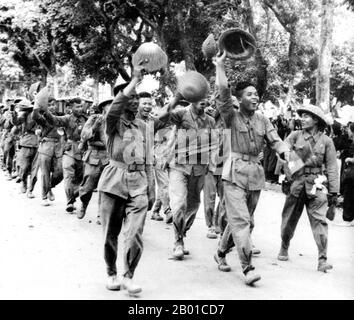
pixel 114 112
pixel 225 105
pixel 275 142
pixel 59 121
pixel 176 117
pixel 331 167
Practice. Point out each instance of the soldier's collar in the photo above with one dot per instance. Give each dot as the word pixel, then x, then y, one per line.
pixel 128 119
pixel 315 137
pixel 194 115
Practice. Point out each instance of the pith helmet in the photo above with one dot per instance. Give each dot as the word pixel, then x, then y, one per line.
pixel 315 111
pixel 154 56
pixel 238 44
pixel 193 86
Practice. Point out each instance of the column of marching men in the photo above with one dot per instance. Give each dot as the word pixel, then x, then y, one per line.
pixel 110 150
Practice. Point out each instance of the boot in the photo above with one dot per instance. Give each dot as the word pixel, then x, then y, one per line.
pixel 157 206
pixel 113 283
pixel 23 189
pixel 70 208
pixel 251 276
pixel 185 251
pixel 221 261
pixel 283 254
pixel 51 196
pixel 211 234
pixel 156 216
pixel 45 203
pixel 30 195
pixel 178 253
pixel 323 265
pixel 82 211
pixel 129 285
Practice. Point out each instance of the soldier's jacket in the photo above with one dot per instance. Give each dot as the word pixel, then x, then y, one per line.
pixel 94 136
pixel 244 144
pixel 128 141
pixel 73 126
pixel 26 126
pixel 323 159
pixel 9 131
pixel 189 157
pixel 162 147
pixel 218 156
pixel 48 130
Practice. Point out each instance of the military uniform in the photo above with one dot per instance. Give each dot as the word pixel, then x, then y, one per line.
pixel 50 153
pixel 125 186
pixel 188 168
pixel 243 173
pixel 319 155
pixel 28 147
pixel 161 149
pixel 215 218
pixel 95 158
pixel 9 141
pixel 72 157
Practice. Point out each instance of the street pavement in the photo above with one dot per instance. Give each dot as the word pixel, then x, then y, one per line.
pixel 49 254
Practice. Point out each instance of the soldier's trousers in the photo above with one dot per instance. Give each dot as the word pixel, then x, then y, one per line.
pixel 240 206
pixel 116 211
pixel 316 211
pixel 50 162
pixel 73 172
pixel 27 160
pixel 9 153
pixel 184 193
pixel 89 182
pixel 213 186
pixel 163 198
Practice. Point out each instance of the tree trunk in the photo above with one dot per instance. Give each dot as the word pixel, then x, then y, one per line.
pixel 290 93
pixel 325 56
pixel 95 91
pixel 260 61
pixel 183 42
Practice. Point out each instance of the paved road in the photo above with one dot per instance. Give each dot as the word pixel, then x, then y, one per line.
pixel 48 254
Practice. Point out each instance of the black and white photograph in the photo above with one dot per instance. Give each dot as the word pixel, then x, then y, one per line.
pixel 181 151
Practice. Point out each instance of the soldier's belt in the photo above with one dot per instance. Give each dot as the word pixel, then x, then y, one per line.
pixel 244 157
pixel 129 167
pixel 311 170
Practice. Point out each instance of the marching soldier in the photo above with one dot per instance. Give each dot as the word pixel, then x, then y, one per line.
pixel 96 156
pixel 161 148
pixel 50 151
pixel 161 175
pixel 9 138
pixel 186 175
pixel 305 186
pixel 243 175
pixel 215 217
pixel 72 157
pixel 28 146
pixel 126 190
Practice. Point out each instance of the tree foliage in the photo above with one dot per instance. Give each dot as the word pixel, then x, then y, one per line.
pixel 96 38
